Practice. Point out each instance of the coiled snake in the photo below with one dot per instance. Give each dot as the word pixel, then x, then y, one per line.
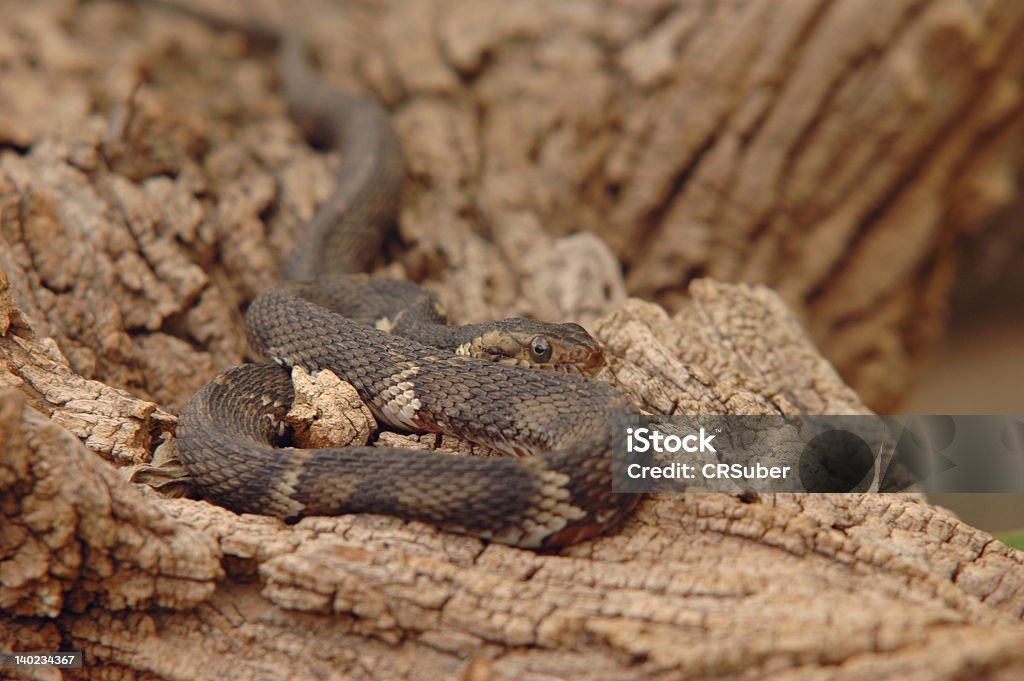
pixel 558 493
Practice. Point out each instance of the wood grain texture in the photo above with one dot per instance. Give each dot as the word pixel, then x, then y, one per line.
pixel 840 152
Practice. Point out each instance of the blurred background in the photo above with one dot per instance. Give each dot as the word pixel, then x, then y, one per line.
pixel 978 367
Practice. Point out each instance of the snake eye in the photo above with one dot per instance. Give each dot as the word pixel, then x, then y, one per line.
pixel 540 349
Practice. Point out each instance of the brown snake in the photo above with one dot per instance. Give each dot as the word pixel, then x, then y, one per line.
pixel 558 492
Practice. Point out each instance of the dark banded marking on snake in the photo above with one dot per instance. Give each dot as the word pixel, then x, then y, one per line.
pixel 556 492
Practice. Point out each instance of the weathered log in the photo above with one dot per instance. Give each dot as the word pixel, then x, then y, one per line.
pixel 149 179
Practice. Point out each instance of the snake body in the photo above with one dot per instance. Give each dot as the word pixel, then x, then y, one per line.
pixel 556 491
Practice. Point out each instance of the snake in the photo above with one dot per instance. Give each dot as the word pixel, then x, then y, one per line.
pixel 519 386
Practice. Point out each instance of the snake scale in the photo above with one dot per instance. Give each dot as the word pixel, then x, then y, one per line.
pixel 555 491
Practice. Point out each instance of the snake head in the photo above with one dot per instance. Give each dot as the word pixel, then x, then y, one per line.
pixel 541 345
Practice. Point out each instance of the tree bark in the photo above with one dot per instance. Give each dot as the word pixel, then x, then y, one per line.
pixel 149 180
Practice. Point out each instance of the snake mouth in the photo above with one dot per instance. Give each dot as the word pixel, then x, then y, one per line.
pixel 582 360
pixel 578 369
pixel 589 369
